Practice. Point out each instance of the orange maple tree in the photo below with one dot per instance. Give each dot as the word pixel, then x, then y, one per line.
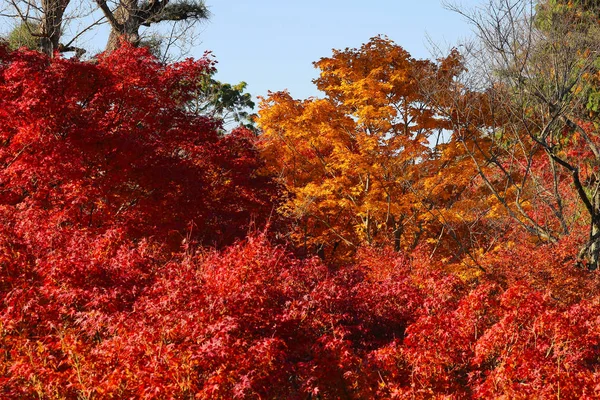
pixel 363 164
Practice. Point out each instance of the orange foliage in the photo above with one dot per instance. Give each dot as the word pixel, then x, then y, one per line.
pixel 372 161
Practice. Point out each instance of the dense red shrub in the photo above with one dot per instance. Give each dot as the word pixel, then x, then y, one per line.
pixel 109 145
pixel 253 322
pixel 103 175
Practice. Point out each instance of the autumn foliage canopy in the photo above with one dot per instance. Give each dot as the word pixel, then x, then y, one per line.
pixel 361 245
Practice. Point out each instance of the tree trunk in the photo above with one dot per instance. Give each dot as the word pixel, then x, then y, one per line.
pixel 51 25
pixel 130 24
pixel 594 248
pixel 398 231
pixel 589 253
pixel 593 253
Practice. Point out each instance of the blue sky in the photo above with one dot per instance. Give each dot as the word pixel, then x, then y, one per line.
pixel 272 44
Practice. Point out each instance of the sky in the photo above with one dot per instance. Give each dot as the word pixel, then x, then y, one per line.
pixel 271 44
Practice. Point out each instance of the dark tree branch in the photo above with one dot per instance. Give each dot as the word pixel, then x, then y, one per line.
pixel 110 16
pixel 67 48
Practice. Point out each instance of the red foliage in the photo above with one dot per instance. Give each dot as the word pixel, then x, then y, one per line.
pixel 110 146
pixel 104 174
pixel 253 322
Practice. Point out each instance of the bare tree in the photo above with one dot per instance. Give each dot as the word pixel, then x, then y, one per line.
pixel 43 19
pixel 532 62
pixel 46 20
